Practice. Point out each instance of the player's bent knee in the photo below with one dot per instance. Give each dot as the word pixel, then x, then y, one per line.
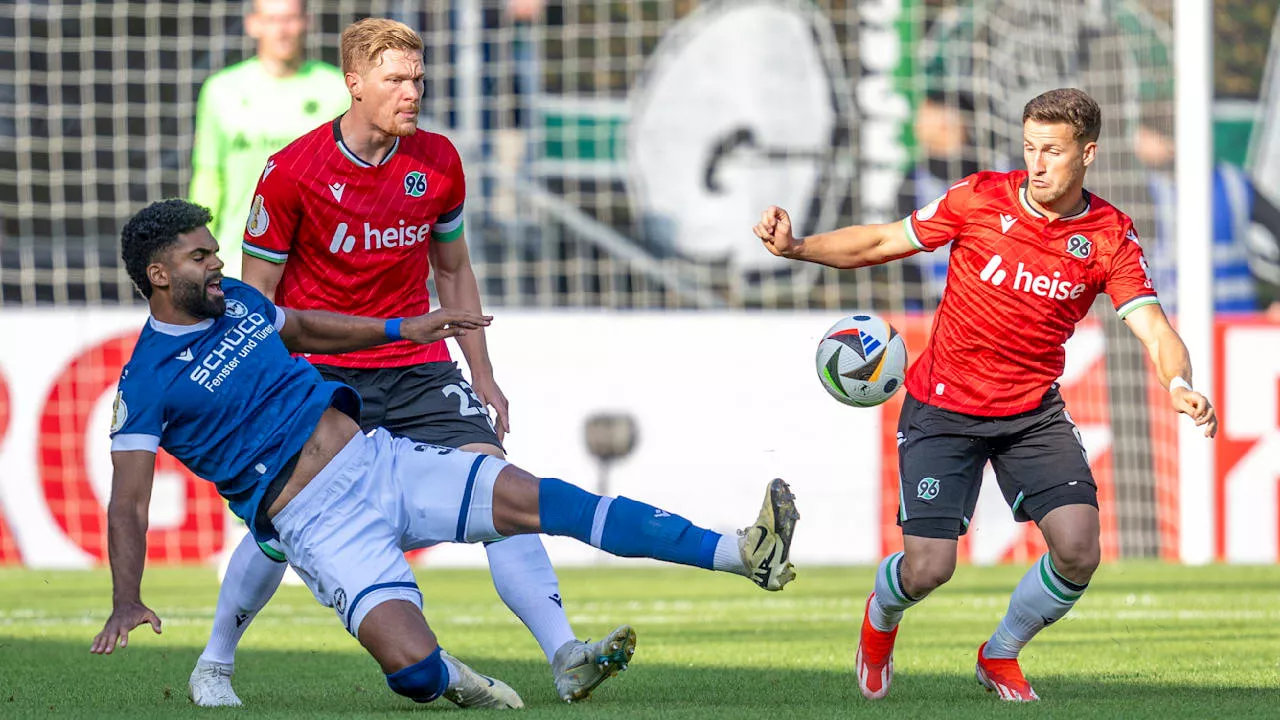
pixel 516 502
pixel 1077 559
pixel 422 681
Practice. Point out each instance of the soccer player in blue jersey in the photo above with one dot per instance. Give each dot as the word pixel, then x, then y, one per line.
pixel 212 381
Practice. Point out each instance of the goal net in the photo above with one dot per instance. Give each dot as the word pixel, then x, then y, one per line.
pixel 618 151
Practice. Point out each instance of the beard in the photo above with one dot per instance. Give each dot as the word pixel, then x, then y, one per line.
pixel 194 299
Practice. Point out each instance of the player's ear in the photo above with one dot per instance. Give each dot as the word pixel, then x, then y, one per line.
pixel 158 274
pixel 1089 152
pixel 355 85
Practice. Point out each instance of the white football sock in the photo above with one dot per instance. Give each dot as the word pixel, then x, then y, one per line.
pixel 728 557
pixel 886 608
pixel 251 580
pixel 526 582
pixel 1042 597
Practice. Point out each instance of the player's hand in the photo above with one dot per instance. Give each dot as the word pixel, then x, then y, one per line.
pixel 1198 408
pixel 123 619
pixel 491 396
pixel 441 324
pixel 774 229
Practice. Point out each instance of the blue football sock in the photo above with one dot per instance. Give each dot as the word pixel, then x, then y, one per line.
pixel 623 527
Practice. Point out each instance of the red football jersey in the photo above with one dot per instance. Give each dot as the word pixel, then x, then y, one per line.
pixel 354 236
pixel 1017 284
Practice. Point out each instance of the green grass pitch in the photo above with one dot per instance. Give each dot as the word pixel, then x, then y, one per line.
pixel 1147 641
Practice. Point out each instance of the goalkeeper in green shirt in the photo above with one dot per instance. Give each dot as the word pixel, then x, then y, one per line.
pixel 250 110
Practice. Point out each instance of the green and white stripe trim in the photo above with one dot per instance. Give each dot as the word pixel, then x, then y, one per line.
pixel 272 550
pixel 911 235
pixel 271 256
pixel 891 577
pixel 1124 310
pixel 448 226
pixel 1053 583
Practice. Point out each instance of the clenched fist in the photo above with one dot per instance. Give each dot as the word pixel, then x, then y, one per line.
pixel 774 229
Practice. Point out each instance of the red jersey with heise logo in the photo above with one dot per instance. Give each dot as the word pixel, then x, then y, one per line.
pixel 1017 285
pixel 354 237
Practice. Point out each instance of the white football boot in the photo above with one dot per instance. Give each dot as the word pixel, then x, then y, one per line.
pixel 474 690
pixel 580 666
pixel 210 684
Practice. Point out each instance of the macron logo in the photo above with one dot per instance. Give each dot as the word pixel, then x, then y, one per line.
pixel 341 240
pixel 1006 222
pixel 185 356
pixel 1054 288
pixel 271 165
pixel 336 189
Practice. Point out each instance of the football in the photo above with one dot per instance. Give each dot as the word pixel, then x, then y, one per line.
pixel 862 360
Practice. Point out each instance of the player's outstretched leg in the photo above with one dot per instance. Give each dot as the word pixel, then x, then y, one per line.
pixel 580 666
pixel 624 527
pixel 251 579
pixel 627 528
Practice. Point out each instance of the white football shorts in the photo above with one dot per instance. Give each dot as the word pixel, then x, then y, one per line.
pixel 346 533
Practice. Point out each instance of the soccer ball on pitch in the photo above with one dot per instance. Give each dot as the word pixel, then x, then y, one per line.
pixel 862 360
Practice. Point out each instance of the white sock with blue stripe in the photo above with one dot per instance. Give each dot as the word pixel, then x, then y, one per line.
pixel 886 608
pixel 1041 598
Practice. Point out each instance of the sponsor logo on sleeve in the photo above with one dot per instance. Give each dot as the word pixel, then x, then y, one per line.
pixel 928 211
pixel 258 218
pixel 119 412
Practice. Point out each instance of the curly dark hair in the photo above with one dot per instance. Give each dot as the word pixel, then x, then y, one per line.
pixel 152 230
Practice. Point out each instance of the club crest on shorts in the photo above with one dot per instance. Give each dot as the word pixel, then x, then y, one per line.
pixel 928 488
pixel 1079 246
pixel 415 184
pixel 340 600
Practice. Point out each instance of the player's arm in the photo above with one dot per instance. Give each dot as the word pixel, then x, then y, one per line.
pixel 207 156
pixel 457 288
pixel 316 331
pixel 131 481
pixel 1173 364
pixel 847 248
pixel 274 219
pixel 264 275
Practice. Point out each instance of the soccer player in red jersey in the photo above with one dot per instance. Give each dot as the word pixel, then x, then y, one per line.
pixel 351 218
pixel 1030 250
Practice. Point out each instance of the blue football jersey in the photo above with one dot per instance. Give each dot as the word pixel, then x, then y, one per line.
pixel 225 397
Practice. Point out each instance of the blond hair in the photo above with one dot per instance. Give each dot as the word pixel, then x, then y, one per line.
pixel 364 42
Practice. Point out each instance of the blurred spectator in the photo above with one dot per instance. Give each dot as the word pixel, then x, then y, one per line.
pixel 945 155
pixel 248 111
pixel 1246 233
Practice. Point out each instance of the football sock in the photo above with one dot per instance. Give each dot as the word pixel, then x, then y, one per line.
pixel 623 527
pixel 1042 597
pixel 886 608
pixel 251 580
pixel 526 582
pixel 728 557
